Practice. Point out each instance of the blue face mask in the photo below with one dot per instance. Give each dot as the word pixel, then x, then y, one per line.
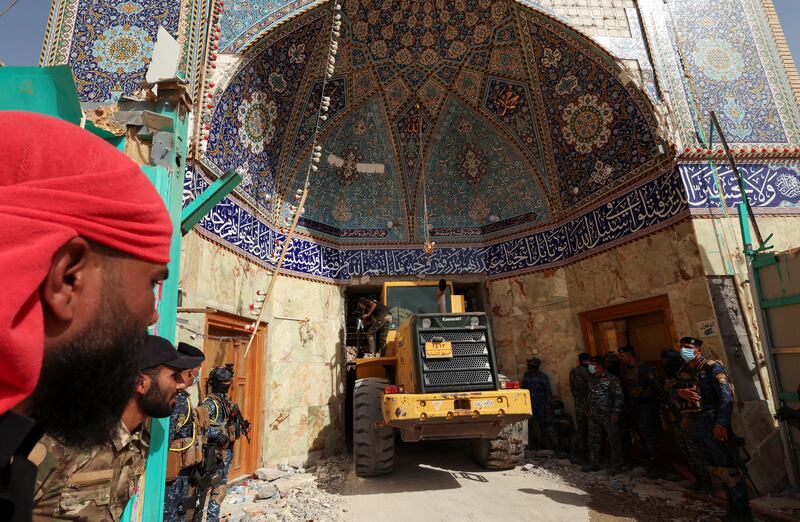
pixel 557 412
pixel 687 354
pixel 592 368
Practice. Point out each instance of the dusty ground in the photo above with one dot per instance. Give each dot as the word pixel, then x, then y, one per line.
pixel 438 481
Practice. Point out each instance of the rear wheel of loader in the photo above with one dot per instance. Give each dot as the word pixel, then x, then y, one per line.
pixel 373 447
pixel 502 452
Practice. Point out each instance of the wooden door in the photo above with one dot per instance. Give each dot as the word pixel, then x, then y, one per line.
pixel 646 325
pixel 226 342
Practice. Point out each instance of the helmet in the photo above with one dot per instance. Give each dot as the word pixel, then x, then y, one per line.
pixel 219 379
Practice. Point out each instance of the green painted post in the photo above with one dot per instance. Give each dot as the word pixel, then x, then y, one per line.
pixel 198 208
pixel 149 504
pixel 744 225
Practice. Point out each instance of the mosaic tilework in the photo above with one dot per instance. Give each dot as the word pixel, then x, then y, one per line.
pixel 522 100
pixel 469 162
pixel 643 209
pixel 248 125
pixel 745 34
pixel 357 204
pixel 110 43
pixel 726 75
pixel 601 131
pixel 768 187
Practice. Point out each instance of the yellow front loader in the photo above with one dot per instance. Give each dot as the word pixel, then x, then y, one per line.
pixel 437 380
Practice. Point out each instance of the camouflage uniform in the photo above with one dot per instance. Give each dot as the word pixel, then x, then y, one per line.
pixel 560 429
pixel 641 391
pixel 538 385
pixel 578 385
pixel 219 409
pixel 379 329
pixel 88 485
pixel 716 407
pixel 605 399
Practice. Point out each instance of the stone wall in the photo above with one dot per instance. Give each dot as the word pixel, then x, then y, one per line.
pixel 538 313
pixel 303 396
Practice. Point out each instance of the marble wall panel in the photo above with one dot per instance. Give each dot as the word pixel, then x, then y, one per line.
pixel 303 346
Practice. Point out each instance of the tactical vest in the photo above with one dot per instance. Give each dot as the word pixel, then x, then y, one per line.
pixel 188 451
pixel 224 410
pixel 630 378
pixel 684 381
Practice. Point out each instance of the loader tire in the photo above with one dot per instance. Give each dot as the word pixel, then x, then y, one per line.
pixel 502 452
pixel 373 447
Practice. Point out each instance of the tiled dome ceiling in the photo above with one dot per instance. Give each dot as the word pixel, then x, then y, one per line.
pixel 510 120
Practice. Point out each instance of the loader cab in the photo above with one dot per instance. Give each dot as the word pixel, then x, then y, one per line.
pixel 405 298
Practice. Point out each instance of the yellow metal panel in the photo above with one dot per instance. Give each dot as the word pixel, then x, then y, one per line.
pixel 499 406
pixel 404 343
pixel 457 303
pixel 374 367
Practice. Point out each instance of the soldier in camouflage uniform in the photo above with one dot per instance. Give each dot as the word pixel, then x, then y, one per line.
pixel 578 385
pixel 96 483
pixel 88 484
pixel 672 363
pixel 219 431
pixel 641 386
pixel 709 426
pixel 560 429
pixel 538 384
pixel 185 442
pixel 605 409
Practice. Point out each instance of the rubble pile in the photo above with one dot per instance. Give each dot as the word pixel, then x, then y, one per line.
pixel 288 493
pixel 628 494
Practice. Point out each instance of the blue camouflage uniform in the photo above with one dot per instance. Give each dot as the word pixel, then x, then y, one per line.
pixel 716 407
pixel 538 385
pixel 181 426
pixel 605 400
pixel 219 409
pixel 579 386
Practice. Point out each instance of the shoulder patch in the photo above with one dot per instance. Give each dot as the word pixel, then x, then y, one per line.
pixel 722 378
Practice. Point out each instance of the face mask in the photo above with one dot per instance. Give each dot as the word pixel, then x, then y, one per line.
pixel 687 354
pixel 557 412
pixel 592 368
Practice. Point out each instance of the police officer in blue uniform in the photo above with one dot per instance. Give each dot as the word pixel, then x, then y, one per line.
pixel 538 385
pixel 185 440
pixel 710 426
pixel 219 409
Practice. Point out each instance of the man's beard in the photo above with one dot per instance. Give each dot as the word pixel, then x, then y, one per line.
pixel 156 402
pixel 86 382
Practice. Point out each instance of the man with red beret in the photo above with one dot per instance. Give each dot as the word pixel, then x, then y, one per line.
pixel 85 239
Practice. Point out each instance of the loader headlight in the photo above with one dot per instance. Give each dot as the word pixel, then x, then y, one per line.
pixel 474 321
pixel 426 323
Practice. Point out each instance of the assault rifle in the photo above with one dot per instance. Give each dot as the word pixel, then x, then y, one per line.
pixel 207 476
pixel 241 426
pixel 735 446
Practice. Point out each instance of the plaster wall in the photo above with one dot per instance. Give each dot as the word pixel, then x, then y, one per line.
pixel 303 360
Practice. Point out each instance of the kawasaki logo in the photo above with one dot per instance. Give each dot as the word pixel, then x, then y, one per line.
pixel 451 318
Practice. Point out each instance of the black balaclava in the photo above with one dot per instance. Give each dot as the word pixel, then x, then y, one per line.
pixel 219 380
